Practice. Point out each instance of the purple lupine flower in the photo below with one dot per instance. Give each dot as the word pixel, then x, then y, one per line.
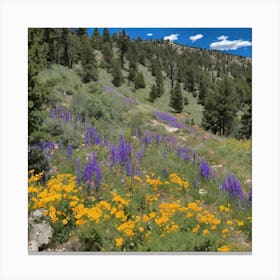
pixel 128 168
pixel 137 171
pixel 113 156
pixel 69 151
pixel 147 138
pixel 157 138
pixel 140 154
pixel 87 174
pixel 204 168
pixel 196 183
pixel 78 170
pixel 60 145
pixel 169 119
pixel 232 185
pixel 98 176
pixel 183 153
pixel 124 150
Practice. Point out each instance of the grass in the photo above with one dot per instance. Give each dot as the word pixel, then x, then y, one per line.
pixel 158 205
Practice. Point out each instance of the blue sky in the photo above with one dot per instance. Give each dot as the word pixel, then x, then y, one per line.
pixel 236 41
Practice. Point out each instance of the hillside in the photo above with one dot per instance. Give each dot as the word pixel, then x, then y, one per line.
pixel 129 149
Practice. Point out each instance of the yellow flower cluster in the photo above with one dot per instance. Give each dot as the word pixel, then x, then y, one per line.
pixel 174 178
pixel 224 248
pixel 127 228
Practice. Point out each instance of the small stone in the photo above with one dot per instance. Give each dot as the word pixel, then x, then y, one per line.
pixel 202 191
pixel 41 233
pixel 217 166
pixel 33 246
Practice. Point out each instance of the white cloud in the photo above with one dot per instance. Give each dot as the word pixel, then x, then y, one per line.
pixel 222 37
pixel 225 44
pixel 171 37
pixel 196 37
pixel 149 34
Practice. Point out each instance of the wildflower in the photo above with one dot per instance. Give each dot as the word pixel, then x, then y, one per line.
pixel 233 187
pixel 65 221
pixel 205 231
pixel 128 169
pixel 119 242
pixel 69 151
pixel 224 248
pixel 196 183
pixel 224 209
pixel 140 154
pixel 204 168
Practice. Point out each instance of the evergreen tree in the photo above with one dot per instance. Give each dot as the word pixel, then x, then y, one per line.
pixel 107 37
pixel 246 123
pixel 107 52
pixel 176 98
pixel 123 44
pixel 220 108
pixel 96 39
pixel 88 62
pixel 159 82
pixel 117 73
pixel 186 101
pixel 153 94
pixel 139 81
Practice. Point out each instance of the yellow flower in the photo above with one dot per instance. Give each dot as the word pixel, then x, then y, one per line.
pixel 113 210
pixel 224 209
pixel 205 231
pixel 240 223
pixel 229 222
pixel 119 242
pixel 141 229
pixel 196 228
pixel 224 231
pixel 65 221
pixel 213 227
pixel 80 222
pixel 224 248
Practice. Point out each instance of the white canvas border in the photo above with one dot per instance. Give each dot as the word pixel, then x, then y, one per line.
pixel 17 16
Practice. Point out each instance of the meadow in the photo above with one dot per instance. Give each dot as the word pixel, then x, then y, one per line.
pixel 134 176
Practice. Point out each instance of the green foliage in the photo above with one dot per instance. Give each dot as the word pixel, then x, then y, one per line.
pixel 153 94
pixel 220 108
pixel 139 81
pixel 90 72
pixel 117 73
pixel 176 99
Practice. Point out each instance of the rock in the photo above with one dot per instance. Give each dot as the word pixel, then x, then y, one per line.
pixel 217 166
pixel 39 213
pixel 33 246
pixel 202 191
pixel 248 181
pixel 41 233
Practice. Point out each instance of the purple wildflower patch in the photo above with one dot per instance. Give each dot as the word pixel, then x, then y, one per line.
pixel 169 119
pixel 232 186
pixel 204 169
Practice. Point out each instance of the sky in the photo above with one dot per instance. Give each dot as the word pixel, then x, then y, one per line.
pixel 236 41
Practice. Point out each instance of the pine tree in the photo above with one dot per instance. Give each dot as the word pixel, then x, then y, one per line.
pixel 123 44
pixel 220 108
pixel 117 73
pixel 176 98
pixel 96 39
pixel 107 37
pixel 246 123
pixel 159 82
pixel 153 94
pixel 139 81
pixel 107 52
pixel 88 62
